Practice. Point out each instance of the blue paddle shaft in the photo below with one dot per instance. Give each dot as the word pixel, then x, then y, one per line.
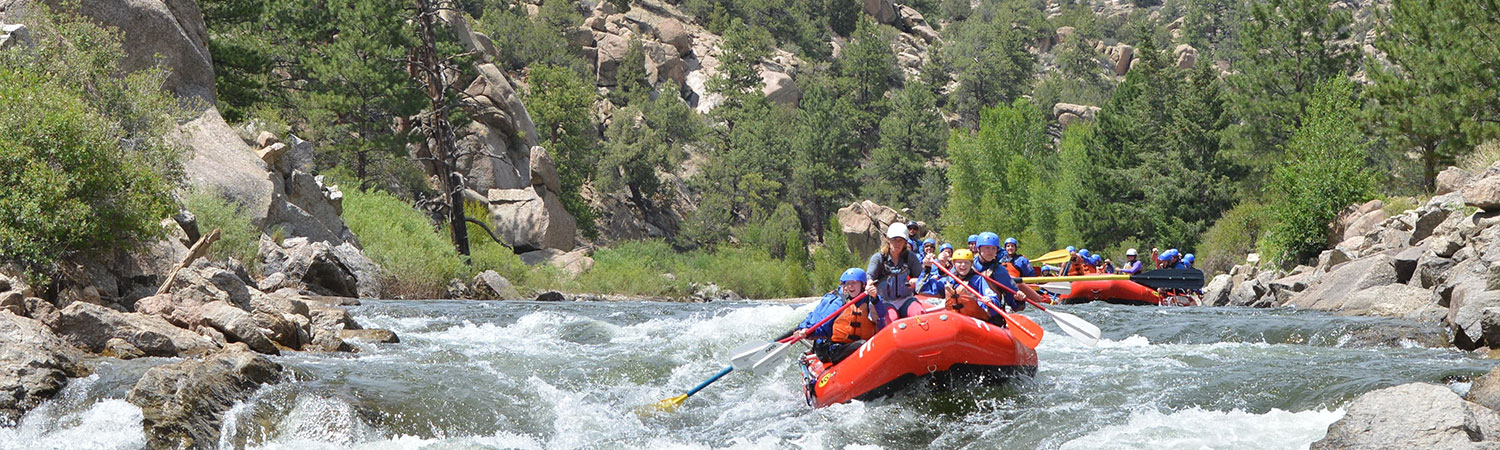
pixel 705 384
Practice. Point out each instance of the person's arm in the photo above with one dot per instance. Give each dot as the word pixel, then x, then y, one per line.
pixel 873 275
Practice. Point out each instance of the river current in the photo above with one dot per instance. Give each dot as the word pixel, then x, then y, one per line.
pixel 478 374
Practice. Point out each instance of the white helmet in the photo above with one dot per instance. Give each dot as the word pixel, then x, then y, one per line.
pixel 897 229
pixel 1130 252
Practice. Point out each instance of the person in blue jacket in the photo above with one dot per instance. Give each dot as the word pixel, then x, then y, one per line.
pixel 974 243
pixel 960 299
pixel 930 282
pixel 987 262
pixel 851 284
pixel 1017 265
pixel 1187 262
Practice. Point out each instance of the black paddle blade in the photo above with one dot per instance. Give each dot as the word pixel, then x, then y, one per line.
pixel 1171 278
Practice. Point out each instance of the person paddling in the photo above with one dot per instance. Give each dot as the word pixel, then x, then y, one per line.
pixel 893 272
pixel 987 263
pixel 930 283
pixel 1017 265
pixel 837 339
pixel 1132 263
pixel 957 298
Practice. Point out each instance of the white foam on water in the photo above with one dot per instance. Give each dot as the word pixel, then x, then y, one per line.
pixel 108 424
pixel 1200 429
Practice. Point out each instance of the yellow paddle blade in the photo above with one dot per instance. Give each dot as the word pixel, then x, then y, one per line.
pixel 667 405
pixel 1053 257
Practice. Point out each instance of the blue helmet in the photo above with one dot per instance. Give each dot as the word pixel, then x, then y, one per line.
pixel 1085 253
pixel 1170 253
pixel 1166 255
pixel 1072 249
pixel 1188 258
pixel 990 239
pixel 945 247
pixel 927 242
pixel 853 274
pixel 973 238
pixel 1095 260
pixel 1012 240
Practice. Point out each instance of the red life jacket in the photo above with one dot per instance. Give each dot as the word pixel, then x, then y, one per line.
pixel 853 324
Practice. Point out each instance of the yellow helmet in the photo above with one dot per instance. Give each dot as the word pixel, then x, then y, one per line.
pixel 963 254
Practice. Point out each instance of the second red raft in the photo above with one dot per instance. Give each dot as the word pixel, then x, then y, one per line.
pixel 1121 292
pixel 939 343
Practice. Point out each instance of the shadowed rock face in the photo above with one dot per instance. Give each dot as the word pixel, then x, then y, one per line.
pixel 34 365
pixel 184 403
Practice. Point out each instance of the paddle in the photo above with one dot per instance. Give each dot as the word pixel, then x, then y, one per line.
pixel 758 357
pixel 1160 278
pixel 1075 326
pixel 755 356
pixel 1033 332
pixel 1052 257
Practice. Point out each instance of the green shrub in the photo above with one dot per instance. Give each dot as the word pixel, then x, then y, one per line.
pixel 239 238
pixel 86 164
pixel 1231 237
pixel 418 261
pixel 1324 173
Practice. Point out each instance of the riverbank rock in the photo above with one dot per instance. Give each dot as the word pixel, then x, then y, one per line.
pixel 490 284
pixel 371 335
pixel 184 403
pixel 1329 291
pixel 90 327
pixel 1416 415
pixel 34 365
pixel 326 269
pixel 237 326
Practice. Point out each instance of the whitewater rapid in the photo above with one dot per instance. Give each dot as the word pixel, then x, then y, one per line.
pixel 572 375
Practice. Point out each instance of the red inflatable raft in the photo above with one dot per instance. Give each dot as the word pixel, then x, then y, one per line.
pixel 1123 292
pixel 940 343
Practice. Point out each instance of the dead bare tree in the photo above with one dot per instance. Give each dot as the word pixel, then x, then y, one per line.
pixel 435 72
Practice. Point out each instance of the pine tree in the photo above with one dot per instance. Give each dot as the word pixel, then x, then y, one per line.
pixel 1291 46
pixel 912 134
pixel 355 83
pixel 1440 96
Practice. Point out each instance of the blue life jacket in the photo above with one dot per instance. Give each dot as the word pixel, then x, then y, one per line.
pixel 830 302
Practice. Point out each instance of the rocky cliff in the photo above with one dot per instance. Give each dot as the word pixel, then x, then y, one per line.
pixel 1434 263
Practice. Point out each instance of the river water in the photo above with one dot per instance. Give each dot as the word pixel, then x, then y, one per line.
pixel 529 375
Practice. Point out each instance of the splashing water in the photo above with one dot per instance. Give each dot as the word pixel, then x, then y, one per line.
pixel 569 375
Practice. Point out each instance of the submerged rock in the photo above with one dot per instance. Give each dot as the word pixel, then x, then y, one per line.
pixel 1415 415
pixel 34 365
pixel 184 403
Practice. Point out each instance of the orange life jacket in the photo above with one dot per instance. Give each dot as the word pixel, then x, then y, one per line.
pixel 967 304
pixel 1075 266
pixel 1015 272
pixel 853 324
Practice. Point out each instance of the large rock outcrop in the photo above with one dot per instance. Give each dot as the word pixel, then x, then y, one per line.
pixel 864 224
pixel 531 219
pixel 1416 415
pixel 166 32
pixel 91 327
pixel 34 365
pixel 184 403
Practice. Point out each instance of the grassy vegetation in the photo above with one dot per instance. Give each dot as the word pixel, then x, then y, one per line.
pixel 1231 237
pixel 238 238
pixel 421 261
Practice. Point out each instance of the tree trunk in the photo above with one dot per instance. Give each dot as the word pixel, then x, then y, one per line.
pixel 430 69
